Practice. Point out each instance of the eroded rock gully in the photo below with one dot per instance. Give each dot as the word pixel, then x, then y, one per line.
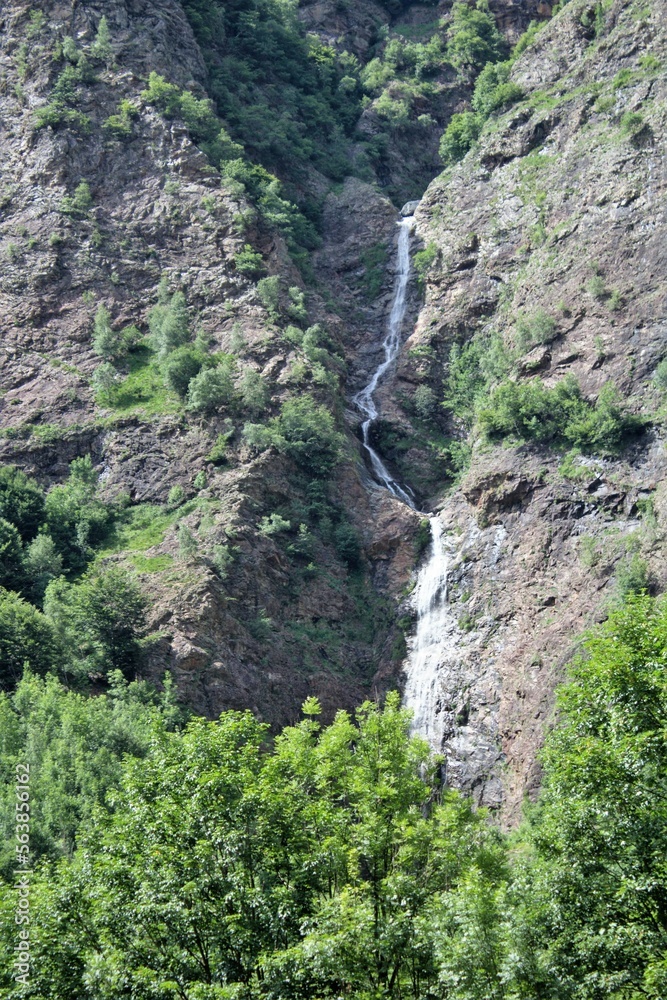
pixel 556 192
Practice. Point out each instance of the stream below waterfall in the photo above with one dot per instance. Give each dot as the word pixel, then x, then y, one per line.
pixel 435 634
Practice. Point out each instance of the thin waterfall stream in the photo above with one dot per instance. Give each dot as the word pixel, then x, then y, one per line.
pixel 433 637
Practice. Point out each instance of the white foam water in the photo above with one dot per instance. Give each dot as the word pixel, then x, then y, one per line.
pixel 391 344
pixel 436 633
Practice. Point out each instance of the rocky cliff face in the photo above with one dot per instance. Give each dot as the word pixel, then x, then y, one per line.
pixel 563 188
pixel 157 208
pixel 559 213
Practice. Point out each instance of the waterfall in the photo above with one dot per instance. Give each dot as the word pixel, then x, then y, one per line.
pixel 391 345
pixel 436 633
pixel 435 639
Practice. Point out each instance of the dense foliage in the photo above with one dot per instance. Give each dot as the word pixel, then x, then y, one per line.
pixel 208 862
pixel 89 623
pixel 530 411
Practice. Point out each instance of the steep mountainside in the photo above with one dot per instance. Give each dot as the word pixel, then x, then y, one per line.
pixel 546 261
pixel 164 177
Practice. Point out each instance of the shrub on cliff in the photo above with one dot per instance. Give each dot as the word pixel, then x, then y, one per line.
pixel 473 38
pixel 530 411
pixel 212 388
pixel 107 343
pixel 180 367
pixel 459 136
pixel 168 321
pixel 494 89
pixel 305 431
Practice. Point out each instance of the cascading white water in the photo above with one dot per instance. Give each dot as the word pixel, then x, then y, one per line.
pixel 391 344
pixel 434 640
pixel 436 632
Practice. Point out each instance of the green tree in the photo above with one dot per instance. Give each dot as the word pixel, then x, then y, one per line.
pixel 596 889
pixel 42 563
pixel 253 391
pixel 75 747
pixel 104 378
pixel 168 321
pixel 11 556
pixel 76 518
pixel 461 133
pixel 212 388
pixel 305 431
pixel 107 343
pixel 249 262
pixel 180 367
pixel 473 38
pixel 101 47
pixel 21 501
pixel 102 619
pixel 82 200
pixel 26 639
pixel 494 89
pixel 307 869
pixel 268 290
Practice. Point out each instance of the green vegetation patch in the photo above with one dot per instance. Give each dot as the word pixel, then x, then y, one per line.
pixel 143 388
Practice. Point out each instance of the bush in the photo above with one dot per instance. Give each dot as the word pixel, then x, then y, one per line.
pixel 269 294
pixel 249 262
pixel 596 286
pixel 494 90
pixel 21 501
pixel 632 124
pixel 176 497
pixel 80 203
pixel 347 544
pixel 471 369
pixel 253 391
pixel 119 125
pixel 296 306
pixel 104 378
pixel 305 431
pixel 273 524
pixel 603 429
pixel 473 38
pixel 424 402
pixel 107 343
pixel 459 136
pixel 531 412
pixel 424 259
pixel 188 545
pixel 633 577
pixel 168 321
pixel 198 115
pixel 218 453
pixel 180 367
pixel 223 559
pixel 212 389
pixel 659 379
pixel 537 328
